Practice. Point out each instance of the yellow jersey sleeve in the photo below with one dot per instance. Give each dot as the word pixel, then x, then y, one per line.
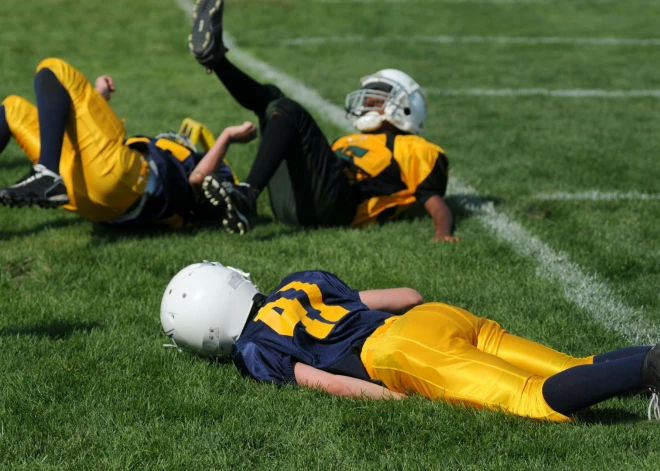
pixel 390 172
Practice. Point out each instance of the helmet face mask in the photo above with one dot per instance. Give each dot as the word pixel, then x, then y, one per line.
pixel 387 96
pixel 206 306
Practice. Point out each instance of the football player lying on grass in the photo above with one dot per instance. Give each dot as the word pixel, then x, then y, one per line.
pixel 315 331
pixel 360 179
pixel 83 164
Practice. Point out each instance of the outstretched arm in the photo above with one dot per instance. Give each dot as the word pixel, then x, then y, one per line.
pixel 394 300
pixel 105 86
pixel 340 385
pixel 243 133
pixel 442 219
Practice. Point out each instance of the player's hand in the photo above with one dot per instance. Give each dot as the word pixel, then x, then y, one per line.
pixel 196 179
pixel 446 238
pixel 105 86
pixel 243 133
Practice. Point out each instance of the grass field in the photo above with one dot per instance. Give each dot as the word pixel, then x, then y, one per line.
pixel 84 380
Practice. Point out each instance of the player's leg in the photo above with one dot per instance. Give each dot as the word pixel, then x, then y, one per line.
pixel 206 45
pixel 585 385
pixel 102 176
pixel 306 181
pixel 433 350
pixel 44 185
pixel 525 354
pixel 19 119
pixel 5 132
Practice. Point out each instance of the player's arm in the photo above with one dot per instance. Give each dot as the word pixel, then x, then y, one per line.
pixel 339 385
pixel 394 300
pixel 442 219
pixel 243 133
pixel 105 86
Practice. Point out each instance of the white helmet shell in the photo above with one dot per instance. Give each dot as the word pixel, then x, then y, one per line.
pixel 400 101
pixel 205 308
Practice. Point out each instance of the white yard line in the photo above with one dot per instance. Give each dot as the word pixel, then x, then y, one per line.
pixel 595 195
pixel 584 290
pixel 485 2
pixel 503 2
pixel 359 39
pixel 575 93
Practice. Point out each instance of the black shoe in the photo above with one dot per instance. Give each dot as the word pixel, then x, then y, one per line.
pixel 41 187
pixel 238 202
pixel 651 369
pixel 651 380
pixel 205 40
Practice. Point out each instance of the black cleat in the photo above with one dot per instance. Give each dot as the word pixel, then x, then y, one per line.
pixel 651 369
pixel 237 200
pixel 651 380
pixel 205 40
pixel 41 187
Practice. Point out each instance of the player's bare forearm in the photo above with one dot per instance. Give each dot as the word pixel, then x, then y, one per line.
pixel 339 385
pixel 442 218
pixel 211 161
pixel 394 300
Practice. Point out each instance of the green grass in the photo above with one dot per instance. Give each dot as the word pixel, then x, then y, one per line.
pixel 84 379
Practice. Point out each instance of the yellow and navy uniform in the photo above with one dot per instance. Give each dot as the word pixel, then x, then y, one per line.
pixel 106 177
pixel 390 172
pixel 439 351
pixel 171 199
pixel 102 176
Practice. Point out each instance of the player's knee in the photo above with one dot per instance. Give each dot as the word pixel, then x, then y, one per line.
pixel 286 107
pixel 54 64
pixel 12 101
pixel 274 92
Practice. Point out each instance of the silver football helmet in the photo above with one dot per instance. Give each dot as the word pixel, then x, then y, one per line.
pixel 206 306
pixel 388 95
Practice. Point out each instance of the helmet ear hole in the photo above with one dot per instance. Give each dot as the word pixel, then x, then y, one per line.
pixel 406 111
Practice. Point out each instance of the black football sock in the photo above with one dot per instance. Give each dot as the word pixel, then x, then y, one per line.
pixel 621 353
pixel 53 107
pixel 246 91
pixel 5 133
pixel 585 385
pixel 278 141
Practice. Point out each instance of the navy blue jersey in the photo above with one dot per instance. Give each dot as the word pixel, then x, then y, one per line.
pixel 172 194
pixel 312 317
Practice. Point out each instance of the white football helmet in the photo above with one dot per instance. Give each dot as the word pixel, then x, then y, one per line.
pixel 388 95
pixel 205 308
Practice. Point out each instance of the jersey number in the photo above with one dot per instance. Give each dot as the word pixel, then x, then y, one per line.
pixel 351 152
pixel 290 312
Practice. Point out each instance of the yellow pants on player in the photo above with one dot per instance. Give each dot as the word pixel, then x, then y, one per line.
pixel 444 352
pixel 103 177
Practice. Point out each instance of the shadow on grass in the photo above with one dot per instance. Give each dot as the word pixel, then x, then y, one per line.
pixel 609 416
pixel 13 164
pixel 56 330
pixel 103 234
pixel 8 235
pixel 462 207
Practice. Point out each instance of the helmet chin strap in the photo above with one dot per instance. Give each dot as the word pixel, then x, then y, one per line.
pixel 369 121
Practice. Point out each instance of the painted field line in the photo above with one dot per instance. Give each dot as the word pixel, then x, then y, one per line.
pixel 484 2
pixel 359 39
pixel 595 195
pixel 585 291
pixel 576 93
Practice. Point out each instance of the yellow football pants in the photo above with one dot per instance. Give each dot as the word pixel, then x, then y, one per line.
pixel 102 176
pixel 444 352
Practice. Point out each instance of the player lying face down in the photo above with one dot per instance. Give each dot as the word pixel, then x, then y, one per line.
pixel 315 331
pixel 82 162
pixel 368 177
